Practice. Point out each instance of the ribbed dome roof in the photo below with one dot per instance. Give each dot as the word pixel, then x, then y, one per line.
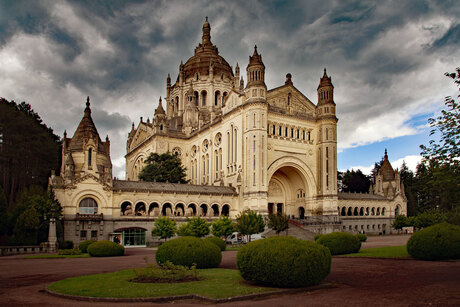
pixel 86 130
pixel 205 54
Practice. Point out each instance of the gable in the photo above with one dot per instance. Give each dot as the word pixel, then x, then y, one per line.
pixel 290 99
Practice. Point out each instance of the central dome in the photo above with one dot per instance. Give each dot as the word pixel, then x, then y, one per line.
pixel 205 55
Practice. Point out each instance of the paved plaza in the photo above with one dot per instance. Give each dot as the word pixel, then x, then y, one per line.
pixel 356 281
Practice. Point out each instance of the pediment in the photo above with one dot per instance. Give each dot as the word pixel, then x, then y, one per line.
pixel 289 98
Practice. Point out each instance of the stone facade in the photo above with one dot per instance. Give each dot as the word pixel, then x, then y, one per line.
pixel 244 147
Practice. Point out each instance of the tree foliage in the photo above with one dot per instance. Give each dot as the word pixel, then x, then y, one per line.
pixel 163 168
pixel 249 222
pixel 195 227
pixel 29 150
pixel 355 181
pixel 278 222
pixel 223 227
pixel 164 228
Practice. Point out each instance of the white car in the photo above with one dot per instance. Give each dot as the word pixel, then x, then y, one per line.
pixel 236 238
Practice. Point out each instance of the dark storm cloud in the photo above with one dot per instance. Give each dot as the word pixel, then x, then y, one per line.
pixel 386 58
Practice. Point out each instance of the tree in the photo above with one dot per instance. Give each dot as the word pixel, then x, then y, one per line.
pixel 399 222
pixel 196 227
pixel 278 222
pixel 249 222
pixel 4 225
pixel 447 149
pixel 408 179
pixel 355 181
pixel 429 218
pixel 29 150
pixel 26 228
pixel 164 228
pixel 223 227
pixel 163 168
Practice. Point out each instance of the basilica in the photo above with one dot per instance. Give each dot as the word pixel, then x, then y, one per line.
pixel 244 147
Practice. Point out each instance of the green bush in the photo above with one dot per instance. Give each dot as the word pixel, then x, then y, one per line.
pixel 317 236
pixel 105 248
pixel 218 241
pixel 187 251
pixel 440 241
pixel 340 243
pixel 284 262
pixel 66 245
pixel 83 246
pixel 72 251
pixel 362 237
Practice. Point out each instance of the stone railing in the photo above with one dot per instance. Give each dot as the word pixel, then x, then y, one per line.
pixel 18 250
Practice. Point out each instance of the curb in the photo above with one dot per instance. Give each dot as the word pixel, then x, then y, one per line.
pixel 168 299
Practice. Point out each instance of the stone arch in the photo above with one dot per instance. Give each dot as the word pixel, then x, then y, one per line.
pixel 126 208
pixel 378 211
pixel 355 211
pixel 349 213
pixel 373 211
pixel 301 213
pixel 225 210
pixel 367 211
pixel 166 209
pixel 204 95
pixel 138 165
pixel 300 166
pixel 383 211
pixel 191 210
pixel 140 209
pixel 343 212
pixel 98 197
pixel 361 211
pixel 179 210
pixel 215 210
pixel 397 210
pixel 154 209
pixel 203 209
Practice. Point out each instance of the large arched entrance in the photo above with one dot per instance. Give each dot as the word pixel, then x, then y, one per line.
pixel 287 191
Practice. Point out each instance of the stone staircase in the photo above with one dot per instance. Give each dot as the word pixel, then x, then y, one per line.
pixel 295 229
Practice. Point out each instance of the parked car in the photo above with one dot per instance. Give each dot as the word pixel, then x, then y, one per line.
pixel 236 238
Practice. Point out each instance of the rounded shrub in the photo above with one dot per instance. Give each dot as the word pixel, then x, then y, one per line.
pixel 187 251
pixel 437 242
pixel 83 246
pixel 317 236
pixel 362 237
pixel 218 241
pixel 284 262
pixel 340 243
pixel 105 248
pixel 66 245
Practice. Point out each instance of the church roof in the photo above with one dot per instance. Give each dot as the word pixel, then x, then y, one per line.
pixel 142 186
pixel 325 80
pixel 86 130
pixel 160 109
pixel 386 169
pixel 360 196
pixel 205 54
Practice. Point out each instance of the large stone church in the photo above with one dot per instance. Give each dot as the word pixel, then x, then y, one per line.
pixel 244 147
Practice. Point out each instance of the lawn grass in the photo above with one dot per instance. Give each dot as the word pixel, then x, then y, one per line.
pixel 217 283
pixel 53 256
pixel 382 252
pixel 233 247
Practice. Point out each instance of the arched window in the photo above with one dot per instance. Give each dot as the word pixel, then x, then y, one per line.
pixel 87 206
pixel 203 98
pixel 397 211
pixel 216 98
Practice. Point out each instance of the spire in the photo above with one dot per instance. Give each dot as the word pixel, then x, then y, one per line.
pixel 87 109
pixel 206 33
pixel 160 110
pixel 132 127
pixel 65 134
pixel 256 58
pixel 385 157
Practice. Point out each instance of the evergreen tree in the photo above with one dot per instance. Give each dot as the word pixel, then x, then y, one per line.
pixel 355 181
pixel 29 150
pixel 163 168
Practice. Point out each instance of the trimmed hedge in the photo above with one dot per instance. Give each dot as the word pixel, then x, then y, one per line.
pixel 284 262
pixel 340 243
pixel 83 246
pixel 437 242
pixel 105 248
pixel 187 251
pixel 317 236
pixel 362 237
pixel 218 241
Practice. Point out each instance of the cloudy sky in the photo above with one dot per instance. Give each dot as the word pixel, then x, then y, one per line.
pixel 387 60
